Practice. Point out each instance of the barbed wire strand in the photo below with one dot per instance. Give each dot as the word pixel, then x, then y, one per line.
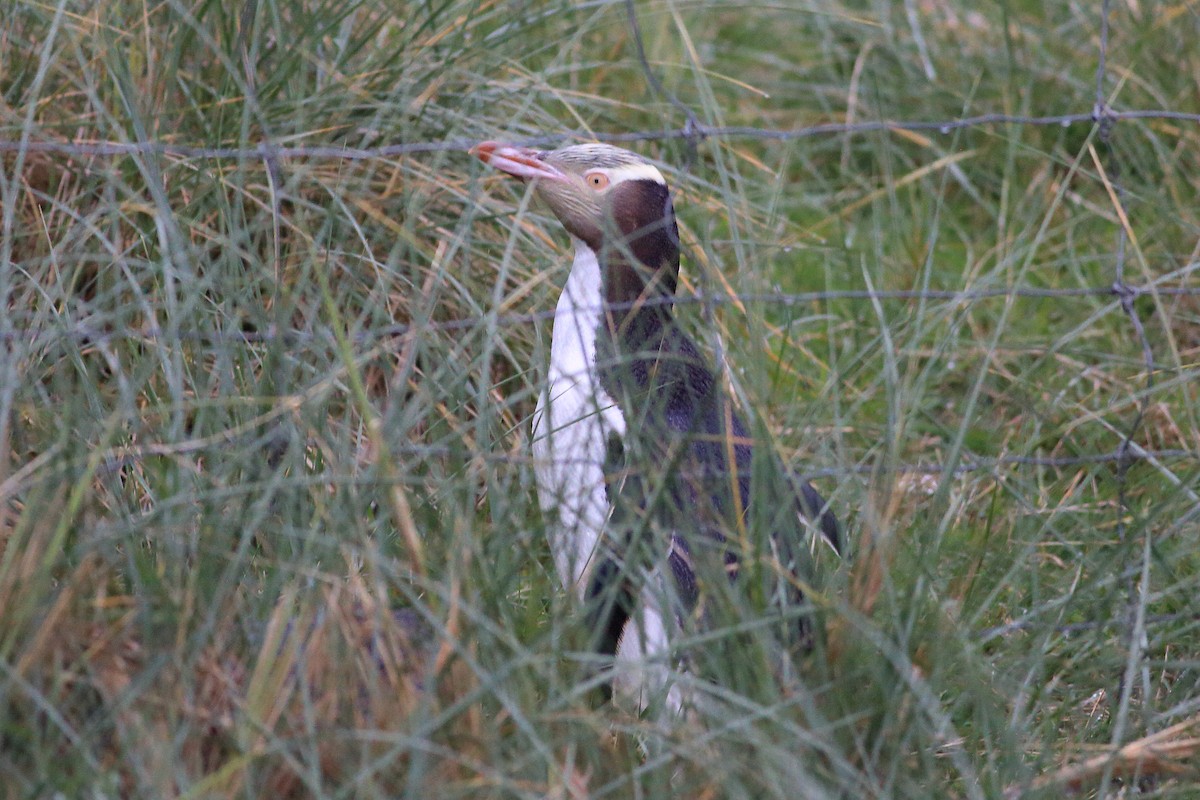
pixel 123 456
pixel 100 330
pixel 271 150
pixel 1029 622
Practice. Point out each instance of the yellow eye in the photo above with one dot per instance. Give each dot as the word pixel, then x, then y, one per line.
pixel 596 180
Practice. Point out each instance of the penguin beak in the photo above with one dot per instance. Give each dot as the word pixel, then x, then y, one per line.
pixel 521 162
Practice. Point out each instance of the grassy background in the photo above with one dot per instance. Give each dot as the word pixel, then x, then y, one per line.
pixel 222 469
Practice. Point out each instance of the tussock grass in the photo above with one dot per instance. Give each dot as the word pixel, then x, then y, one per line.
pixel 256 540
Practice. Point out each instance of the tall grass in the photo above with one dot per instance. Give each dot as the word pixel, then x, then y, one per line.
pixel 256 540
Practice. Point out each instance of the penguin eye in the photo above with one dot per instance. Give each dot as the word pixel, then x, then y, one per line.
pixel 596 180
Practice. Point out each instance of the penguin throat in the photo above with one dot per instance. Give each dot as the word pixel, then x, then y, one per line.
pixel 638 297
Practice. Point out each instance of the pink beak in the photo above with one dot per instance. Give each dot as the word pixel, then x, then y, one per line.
pixel 521 162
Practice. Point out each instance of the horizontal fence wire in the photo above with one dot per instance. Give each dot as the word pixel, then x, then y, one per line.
pixel 967 463
pixel 120 457
pixel 693 131
pixel 98 331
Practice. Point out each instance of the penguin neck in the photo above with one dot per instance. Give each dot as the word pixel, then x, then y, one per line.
pixel 578 317
pixel 604 298
pixel 638 298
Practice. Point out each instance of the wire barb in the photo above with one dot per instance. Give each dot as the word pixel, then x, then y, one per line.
pixel 693 130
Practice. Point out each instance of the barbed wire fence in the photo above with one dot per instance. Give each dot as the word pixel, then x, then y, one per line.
pixel 1102 117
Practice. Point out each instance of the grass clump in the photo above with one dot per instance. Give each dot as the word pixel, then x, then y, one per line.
pixel 268 525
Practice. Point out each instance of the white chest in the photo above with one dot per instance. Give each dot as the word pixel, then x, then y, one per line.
pixel 571 427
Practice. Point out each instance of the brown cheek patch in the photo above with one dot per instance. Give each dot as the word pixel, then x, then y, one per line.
pixel 641 256
pixel 643 214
